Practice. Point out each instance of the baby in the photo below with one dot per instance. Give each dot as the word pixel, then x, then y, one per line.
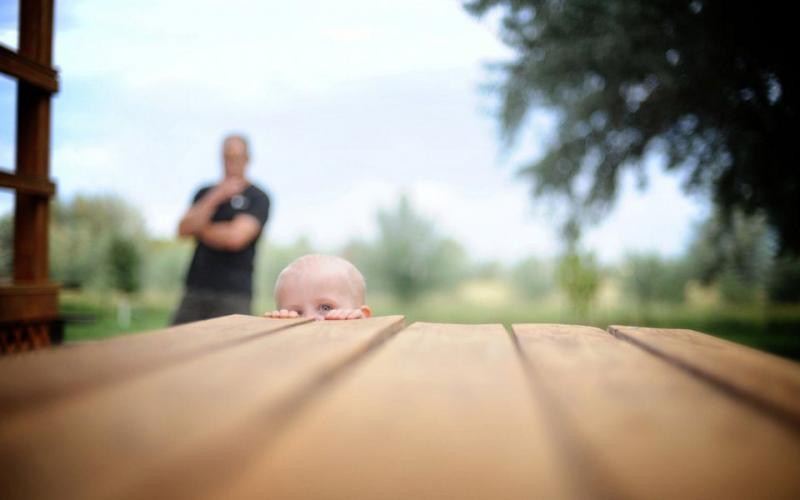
pixel 320 287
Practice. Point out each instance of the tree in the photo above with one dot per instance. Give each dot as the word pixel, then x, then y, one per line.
pixel 532 277
pixel 708 84
pixel 578 275
pixel 6 244
pixel 409 257
pixel 125 264
pixel 648 278
pixel 737 256
pixel 81 234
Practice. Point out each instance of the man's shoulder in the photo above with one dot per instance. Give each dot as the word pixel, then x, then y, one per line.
pixel 256 191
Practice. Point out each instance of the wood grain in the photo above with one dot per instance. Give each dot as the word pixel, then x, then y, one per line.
pixel 642 428
pixel 442 411
pixel 167 433
pixel 767 382
pixel 28 70
pixel 41 377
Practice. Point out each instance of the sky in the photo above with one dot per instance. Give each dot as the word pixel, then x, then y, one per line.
pixel 348 105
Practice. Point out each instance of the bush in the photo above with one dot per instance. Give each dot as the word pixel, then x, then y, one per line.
pixel 647 278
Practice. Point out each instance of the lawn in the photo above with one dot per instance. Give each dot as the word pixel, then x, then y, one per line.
pixel 770 328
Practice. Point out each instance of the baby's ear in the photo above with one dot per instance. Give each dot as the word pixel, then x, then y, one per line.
pixel 366 311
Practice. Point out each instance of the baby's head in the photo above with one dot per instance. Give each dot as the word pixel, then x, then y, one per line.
pixel 314 285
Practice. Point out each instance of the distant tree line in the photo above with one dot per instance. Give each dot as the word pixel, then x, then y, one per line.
pixel 101 243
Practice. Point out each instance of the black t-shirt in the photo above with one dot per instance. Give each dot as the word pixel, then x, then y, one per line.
pixel 222 270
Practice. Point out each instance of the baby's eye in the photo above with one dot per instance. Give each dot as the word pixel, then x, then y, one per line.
pixel 326 307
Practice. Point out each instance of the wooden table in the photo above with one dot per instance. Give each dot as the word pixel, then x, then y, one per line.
pixel 247 407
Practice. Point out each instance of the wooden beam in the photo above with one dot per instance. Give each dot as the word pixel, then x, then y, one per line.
pixel 36 30
pixel 28 71
pixel 27 185
pixel 20 302
pixel 31 215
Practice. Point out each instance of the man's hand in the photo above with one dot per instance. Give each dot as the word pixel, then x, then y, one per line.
pixel 228 188
pixel 199 215
pixel 282 314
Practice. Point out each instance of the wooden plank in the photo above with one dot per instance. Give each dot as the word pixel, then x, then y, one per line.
pixel 768 382
pixel 28 185
pixel 48 376
pixel 641 428
pixel 22 302
pixel 442 411
pixel 27 70
pixel 171 432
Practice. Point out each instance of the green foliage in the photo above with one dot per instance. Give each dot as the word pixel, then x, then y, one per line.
pixel 82 233
pixel 165 264
pixel 6 246
pixel 648 279
pixel 736 253
pixel 488 270
pixel 532 278
pixel 125 263
pixel 409 257
pixel 783 285
pixel 707 84
pixel 578 275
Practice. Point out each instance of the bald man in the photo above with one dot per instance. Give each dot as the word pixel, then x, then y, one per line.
pixel 226 220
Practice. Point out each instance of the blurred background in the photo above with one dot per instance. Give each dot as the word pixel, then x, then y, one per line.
pixel 609 162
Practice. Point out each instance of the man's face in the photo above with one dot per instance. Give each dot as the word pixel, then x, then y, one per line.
pixel 312 293
pixel 234 156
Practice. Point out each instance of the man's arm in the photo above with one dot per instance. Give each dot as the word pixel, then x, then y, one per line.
pixel 231 236
pixel 201 212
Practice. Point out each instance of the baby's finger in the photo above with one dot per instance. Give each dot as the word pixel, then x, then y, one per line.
pixel 293 314
pixel 334 314
pixel 284 313
pixel 272 314
pixel 355 314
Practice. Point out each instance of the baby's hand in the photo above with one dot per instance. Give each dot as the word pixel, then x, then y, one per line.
pixel 344 314
pixel 282 314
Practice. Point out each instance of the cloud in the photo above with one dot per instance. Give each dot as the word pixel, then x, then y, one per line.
pixel 347 105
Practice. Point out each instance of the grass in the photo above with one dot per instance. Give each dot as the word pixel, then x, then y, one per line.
pixel 772 329
pixel 92 317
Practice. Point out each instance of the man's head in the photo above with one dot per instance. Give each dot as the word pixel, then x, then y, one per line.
pixel 235 155
pixel 315 284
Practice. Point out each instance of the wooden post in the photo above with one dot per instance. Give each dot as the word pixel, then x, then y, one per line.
pixel 31 299
pixel 33 146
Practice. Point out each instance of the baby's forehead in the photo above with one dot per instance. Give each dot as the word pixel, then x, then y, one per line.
pixel 315 276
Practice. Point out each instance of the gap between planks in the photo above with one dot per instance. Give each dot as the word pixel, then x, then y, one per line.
pixel 648 429
pixel 767 383
pixel 128 438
